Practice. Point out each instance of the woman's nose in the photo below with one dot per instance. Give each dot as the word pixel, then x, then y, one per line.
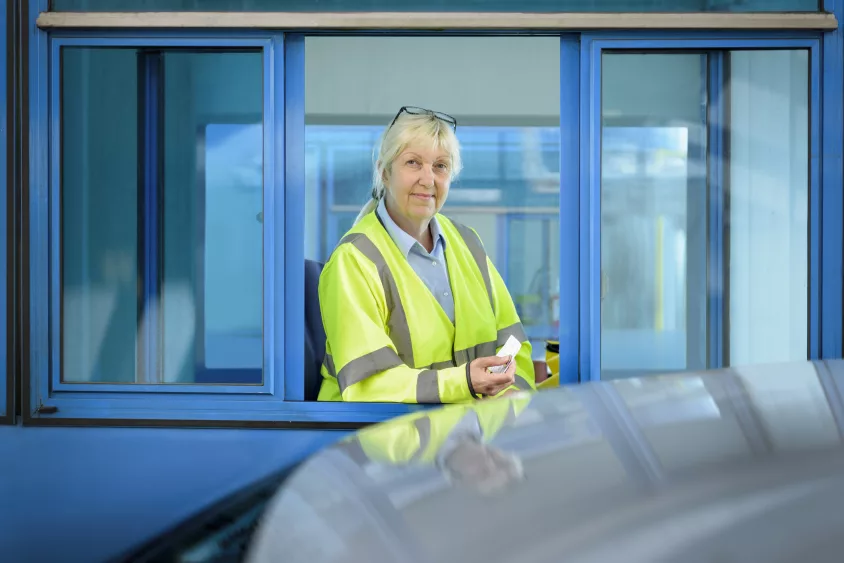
pixel 426 176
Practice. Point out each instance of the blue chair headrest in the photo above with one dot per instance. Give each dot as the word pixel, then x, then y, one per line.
pixel 314 332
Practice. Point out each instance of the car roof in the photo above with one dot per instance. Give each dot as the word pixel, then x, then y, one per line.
pixel 740 464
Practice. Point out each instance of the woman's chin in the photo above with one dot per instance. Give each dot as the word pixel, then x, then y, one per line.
pixel 423 211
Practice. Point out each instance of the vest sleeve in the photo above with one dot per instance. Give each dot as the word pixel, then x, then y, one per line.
pixel 360 353
pixel 508 324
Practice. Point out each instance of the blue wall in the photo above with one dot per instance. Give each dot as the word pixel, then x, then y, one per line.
pixel 86 494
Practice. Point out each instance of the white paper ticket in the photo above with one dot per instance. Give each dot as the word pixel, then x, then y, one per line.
pixel 510 348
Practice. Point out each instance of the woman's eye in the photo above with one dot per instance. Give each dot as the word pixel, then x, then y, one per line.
pixel 413 162
pixel 442 166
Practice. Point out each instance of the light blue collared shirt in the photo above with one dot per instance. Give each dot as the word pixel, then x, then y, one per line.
pixel 430 267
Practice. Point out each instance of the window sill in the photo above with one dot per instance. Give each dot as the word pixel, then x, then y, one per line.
pixel 223 412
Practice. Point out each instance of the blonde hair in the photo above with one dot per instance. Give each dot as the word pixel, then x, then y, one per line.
pixel 408 129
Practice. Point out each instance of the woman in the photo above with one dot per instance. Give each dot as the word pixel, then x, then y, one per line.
pixel 413 309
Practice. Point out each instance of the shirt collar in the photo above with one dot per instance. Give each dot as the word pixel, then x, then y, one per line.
pixel 404 241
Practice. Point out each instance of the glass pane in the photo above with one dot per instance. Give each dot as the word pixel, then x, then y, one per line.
pixel 654 210
pixel 213 174
pixel 99 176
pixel 653 214
pixel 161 248
pixel 768 231
pixel 437 5
pixel 508 190
pixel 532 276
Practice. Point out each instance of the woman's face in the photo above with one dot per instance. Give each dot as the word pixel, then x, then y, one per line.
pixel 418 181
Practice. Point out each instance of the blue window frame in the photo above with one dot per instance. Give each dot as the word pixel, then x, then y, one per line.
pixel 7 407
pixel 339 209
pixel 149 88
pixel 686 6
pixel 274 400
pixel 831 256
pixel 594 46
pixel 279 397
pixel 277 400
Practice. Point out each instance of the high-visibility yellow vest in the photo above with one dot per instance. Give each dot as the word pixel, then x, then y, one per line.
pixel 387 337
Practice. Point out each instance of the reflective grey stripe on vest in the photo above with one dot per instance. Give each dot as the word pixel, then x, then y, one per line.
pixel 478 351
pixel 427 388
pixel 516 330
pixel 369 364
pixel 488 348
pixel 397 323
pixel 479 254
pixel 328 362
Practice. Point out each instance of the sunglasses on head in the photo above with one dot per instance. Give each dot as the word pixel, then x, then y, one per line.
pixel 412 110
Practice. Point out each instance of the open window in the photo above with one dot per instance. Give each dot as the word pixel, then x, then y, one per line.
pixel 509 188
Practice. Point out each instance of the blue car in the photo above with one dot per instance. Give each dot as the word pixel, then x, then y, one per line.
pixel 733 465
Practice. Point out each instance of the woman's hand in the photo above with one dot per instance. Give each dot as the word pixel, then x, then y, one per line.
pixel 487 383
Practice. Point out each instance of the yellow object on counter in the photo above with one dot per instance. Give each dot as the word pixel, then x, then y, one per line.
pixel 553 381
pixel 552 360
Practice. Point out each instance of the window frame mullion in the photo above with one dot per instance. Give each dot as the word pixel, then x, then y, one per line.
pixel 717 290
pixel 150 216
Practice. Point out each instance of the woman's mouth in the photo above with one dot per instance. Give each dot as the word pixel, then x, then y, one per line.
pixel 424 197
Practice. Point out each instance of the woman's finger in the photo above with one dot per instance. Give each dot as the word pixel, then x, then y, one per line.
pixel 492 361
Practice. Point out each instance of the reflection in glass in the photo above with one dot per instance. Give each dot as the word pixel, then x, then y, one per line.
pixel 99 215
pixel 656 401
pixel 161 248
pixel 734 413
pixel 793 409
pixel 212 231
pixel 768 283
pixel 232 240
pixel 674 412
pixel 660 182
pixel 508 190
pixel 653 213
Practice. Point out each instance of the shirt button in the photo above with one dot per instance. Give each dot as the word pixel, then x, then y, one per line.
pixel 434 263
pixel 446 294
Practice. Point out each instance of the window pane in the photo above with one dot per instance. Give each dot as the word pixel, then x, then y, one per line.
pixel 438 5
pixel 161 247
pixel 99 175
pixel 508 190
pixel 769 206
pixel 653 214
pixel 655 243
pixel 213 241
